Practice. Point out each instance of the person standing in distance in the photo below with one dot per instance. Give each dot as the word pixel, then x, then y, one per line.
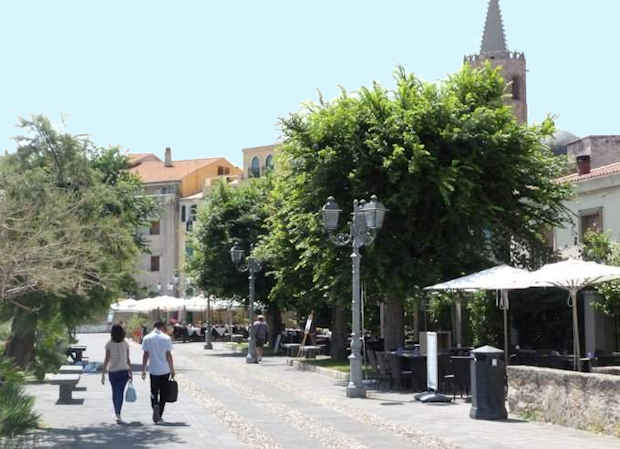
pixel 261 331
pixel 157 348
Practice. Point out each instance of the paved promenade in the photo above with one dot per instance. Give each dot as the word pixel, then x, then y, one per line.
pixel 224 403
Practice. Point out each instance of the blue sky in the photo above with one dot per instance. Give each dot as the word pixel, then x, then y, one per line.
pixel 209 78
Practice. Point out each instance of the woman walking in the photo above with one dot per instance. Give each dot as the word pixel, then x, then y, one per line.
pixel 118 365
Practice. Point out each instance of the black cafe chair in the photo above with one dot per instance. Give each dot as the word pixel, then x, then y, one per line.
pixel 402 378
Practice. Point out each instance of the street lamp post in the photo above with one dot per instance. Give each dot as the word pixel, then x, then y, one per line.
pixel 252 266
pixel 208 344
pixel 367 219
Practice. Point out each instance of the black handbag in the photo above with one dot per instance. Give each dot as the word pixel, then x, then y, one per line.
pixel 171 391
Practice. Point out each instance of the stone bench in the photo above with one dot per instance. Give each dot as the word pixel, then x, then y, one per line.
pixel 310 352
pixel 291 349
pixel 66 382
pixel 71 369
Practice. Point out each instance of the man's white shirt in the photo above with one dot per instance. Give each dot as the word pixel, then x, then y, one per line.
pixel 157 344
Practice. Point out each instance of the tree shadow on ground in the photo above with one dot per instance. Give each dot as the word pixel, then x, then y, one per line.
pixel 132 435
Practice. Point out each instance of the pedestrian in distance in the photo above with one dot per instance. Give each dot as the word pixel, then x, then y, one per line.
pixel 261 332
pixel 157 348
pixel 118 366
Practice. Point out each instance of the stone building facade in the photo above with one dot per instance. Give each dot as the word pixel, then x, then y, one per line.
pixel 178 187
pixel 258 160
pixel 494 50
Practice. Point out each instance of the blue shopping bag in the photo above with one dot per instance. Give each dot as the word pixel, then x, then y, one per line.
pixel 130 393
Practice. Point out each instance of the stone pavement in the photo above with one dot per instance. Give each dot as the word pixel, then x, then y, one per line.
pixel 225 403
pixel 90 422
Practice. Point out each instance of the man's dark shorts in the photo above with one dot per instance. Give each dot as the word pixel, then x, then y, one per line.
pixel 260 342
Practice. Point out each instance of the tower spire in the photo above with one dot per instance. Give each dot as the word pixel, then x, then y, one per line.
pixel 493 39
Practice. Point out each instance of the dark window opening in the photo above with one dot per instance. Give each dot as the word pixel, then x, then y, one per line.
pixel 255 167
pixel 183 212
pixel 591 222
pixel 154 263
pixel 154 230
pixel 516 85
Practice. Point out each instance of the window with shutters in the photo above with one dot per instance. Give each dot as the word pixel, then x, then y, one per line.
pixel 590 220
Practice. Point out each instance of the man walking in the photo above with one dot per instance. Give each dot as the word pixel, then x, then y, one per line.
pixel 261 331
pixel 157 348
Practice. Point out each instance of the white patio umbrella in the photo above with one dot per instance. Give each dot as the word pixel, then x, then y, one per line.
pixel 196 304
pixel 125 305
pixel 574 275
pixel 501 277
pixel 163 303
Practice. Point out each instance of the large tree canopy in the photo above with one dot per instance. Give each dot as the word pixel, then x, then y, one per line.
pixel 71 232
pixel 461 178
pixel 228 213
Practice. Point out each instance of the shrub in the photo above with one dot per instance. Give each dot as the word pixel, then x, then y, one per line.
pixel 16 407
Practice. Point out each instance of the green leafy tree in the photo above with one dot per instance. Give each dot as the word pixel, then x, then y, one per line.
pixel 598 247
pixel 461 178
pixel 73 236
pixel 230 213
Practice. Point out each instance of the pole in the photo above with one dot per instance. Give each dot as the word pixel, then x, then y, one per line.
pixel 251 357
pixel 576 346
pixel 505 307
pixel 458 311
pixel 355 388
pixel 208 344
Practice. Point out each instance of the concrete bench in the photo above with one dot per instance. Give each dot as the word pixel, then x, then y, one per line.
pixel 291 349
pixel 66 382
pixel 310 352
pixel 71 369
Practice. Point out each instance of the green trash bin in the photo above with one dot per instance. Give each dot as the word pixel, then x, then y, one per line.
pixel 488 377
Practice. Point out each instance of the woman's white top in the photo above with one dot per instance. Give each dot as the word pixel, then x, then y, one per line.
pixel 118 355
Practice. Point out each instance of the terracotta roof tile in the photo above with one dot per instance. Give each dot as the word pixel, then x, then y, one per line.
pixel 156 171
pixel 605 170
pixel 138 158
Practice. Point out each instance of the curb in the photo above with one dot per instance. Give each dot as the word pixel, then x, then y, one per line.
pixel 304 366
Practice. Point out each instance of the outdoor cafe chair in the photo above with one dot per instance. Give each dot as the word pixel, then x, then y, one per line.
pixel 372 361
pixel 461 367
pixel 447 374
pixel 400 376
pixel 384 367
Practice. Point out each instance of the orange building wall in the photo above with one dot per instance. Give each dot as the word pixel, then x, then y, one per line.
pixel 195 181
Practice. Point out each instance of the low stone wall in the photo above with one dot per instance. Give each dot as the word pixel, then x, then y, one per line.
pixel 587 401
pixel 615 370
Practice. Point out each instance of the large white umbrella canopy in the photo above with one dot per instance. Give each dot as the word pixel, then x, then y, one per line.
pixel 196 304
pixel 163 303
pixel 501 277
pixel 125 305
pixel 574 275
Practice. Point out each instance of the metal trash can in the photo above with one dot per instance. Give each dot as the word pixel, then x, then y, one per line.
pixel 488 377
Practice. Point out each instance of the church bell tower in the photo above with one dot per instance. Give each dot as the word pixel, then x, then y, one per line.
pixel 495 50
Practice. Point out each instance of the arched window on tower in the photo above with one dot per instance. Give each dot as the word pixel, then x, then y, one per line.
pixel 255 167
pixel 269 162
pixel 516 88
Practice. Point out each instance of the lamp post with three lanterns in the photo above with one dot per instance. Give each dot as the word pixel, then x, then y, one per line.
pixel 367 219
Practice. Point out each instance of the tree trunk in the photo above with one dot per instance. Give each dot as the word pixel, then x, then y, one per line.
pixel 393 331
pixel 338 341
pixel 274 321
pixel 20 345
